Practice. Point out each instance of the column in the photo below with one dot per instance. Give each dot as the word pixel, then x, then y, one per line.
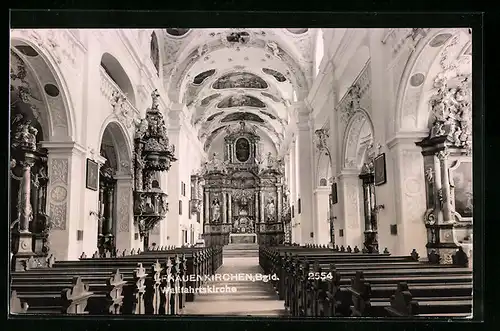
pixel 224 207
pixel 305 178
pixel 293 192
pixel 445 179
pixel 262 204
pixel 207 209
pixel 69 201
pixel 408 197
pixel 109 221
pixel 438 186
pixel 256 208
pixel 349 194
pixel 126 234
pixel 279 189
pixel 230 213
pixel 25 246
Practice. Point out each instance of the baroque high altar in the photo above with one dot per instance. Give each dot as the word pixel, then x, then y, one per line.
pixel 243 195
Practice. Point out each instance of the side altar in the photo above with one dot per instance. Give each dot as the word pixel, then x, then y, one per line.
pixel 243 192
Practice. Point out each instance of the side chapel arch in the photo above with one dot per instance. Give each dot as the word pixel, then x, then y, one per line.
pixel 121 141
pixel 117 73
pixel 442 54
pixel 58 113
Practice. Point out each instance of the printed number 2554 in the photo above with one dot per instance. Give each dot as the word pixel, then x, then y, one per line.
pixel 320 275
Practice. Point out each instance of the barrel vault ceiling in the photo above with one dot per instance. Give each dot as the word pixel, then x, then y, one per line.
pixel 225 76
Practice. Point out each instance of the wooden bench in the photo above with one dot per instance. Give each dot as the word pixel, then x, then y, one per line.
pixel 116 285
pixel 336 295
pixel 403 304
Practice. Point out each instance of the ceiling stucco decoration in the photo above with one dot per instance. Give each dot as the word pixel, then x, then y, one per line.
pixel 213 116
pixel 238 37
pixel 201 77
pixel 276 74
pixel 222 54
pixel 240 80
pixel 212 136
pixel 242 116
pixel 238 100
pixel 177 32
pixel 206 101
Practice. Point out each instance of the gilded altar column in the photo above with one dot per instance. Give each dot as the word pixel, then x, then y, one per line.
pixel 279 190
pixel 25 217
pixel 438 188
pixel 229 211
pixel 224 207
pixel 109 222
pixel 262 202
pixel 256 207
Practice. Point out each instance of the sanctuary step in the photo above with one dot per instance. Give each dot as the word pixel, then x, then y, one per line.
pixel 250 298
pixel 240 250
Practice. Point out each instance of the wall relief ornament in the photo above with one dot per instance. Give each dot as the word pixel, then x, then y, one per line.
pixel 59 180
pixel 124 199
pixel 452 112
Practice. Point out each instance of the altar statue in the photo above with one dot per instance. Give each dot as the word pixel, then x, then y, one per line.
pixel 215 211
pixel 270 210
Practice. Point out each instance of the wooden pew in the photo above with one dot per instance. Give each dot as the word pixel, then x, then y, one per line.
pixel 328 297
pixel 41 289
pixel 67 298
pixel 97 270
pixel 403 304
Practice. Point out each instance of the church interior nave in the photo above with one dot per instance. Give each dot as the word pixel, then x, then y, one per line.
pixel 206 151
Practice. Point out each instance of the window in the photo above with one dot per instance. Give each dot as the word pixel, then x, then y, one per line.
pixel 155 53
pixel 180 207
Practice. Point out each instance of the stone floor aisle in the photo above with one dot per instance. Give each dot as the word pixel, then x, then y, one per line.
pixel 251 298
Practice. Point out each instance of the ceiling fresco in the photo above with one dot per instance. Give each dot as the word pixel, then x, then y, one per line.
pixel 215 71
pixel 208 99
pixel 240 80
pixel 241 100
pixel 212 117
pixel 276 74
pixel 242 116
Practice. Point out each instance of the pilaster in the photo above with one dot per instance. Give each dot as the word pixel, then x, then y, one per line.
pixel 322 221
pixel 66 164
pixel 409 196
pixel 126 237
pixel 173 229
pixel 351 207
pixel 305 177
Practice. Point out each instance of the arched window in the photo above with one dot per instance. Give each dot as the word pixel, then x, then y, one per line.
pixel 155 52
pixel 319 52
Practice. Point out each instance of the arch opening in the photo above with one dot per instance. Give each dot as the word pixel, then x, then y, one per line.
pixel 115 71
